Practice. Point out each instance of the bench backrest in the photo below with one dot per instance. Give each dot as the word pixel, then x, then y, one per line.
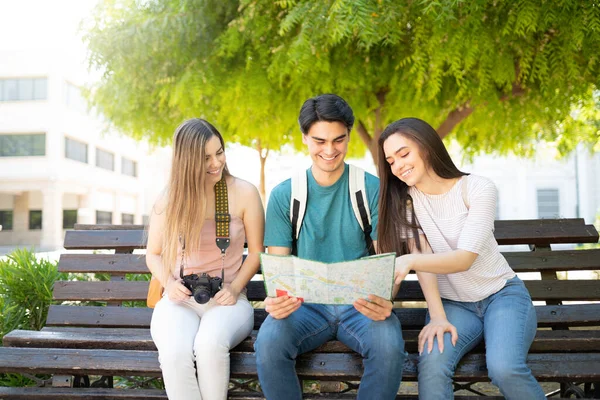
pixel 124 239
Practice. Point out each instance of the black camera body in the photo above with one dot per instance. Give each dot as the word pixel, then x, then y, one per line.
pixel 203 286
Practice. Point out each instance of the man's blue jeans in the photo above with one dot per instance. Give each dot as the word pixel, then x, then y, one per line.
pixel 507 322
pixel 280 341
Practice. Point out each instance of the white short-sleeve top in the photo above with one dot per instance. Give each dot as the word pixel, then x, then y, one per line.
pixel 449 224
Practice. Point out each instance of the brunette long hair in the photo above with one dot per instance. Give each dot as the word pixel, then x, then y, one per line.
pixel 395 204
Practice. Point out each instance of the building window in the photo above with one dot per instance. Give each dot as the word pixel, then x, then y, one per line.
pixel 23 89
pixel 69 219
pixel 76 150
pixel 548 203
pixel 35 219
pixel 128 167
pixel 23 145
pixel 6 220
pixel 105 160
pixel 127 219
pixel 103 217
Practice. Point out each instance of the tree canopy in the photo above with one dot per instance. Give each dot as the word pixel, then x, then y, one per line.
pixel 500 75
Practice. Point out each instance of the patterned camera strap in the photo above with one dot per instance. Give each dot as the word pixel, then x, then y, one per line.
pixel 222 219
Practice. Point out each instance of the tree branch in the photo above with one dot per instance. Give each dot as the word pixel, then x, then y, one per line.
pixel 454 118
pixel 457 115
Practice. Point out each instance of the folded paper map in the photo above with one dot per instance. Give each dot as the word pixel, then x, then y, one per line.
pixel 328 283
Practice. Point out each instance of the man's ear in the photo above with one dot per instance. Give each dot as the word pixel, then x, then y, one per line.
pixel 305 138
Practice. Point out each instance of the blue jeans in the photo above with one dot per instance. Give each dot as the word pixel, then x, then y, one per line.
pixel 280 341
pixel 507 322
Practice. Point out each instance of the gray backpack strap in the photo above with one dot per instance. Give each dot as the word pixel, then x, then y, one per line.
pixel 360 204
pixel 298 205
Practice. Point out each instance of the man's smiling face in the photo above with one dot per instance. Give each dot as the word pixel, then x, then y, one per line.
pixel 327 144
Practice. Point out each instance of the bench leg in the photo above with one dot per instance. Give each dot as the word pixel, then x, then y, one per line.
pixel 103 382
pixel 590 390
pixel 81 381
pixel 62 381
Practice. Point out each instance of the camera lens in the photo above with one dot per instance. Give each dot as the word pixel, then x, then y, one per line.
pixel 202 294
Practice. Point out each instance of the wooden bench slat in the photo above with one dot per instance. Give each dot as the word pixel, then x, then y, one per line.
pixel 52 393
pixel 100 291
pixel 507 232
pixel 57 393
pixel 79 361
pixel 588 290
pixel 557 260
pixel 562 260
pixel 109 227
pixel 111 263
pixel 125 317
pixel 140 339
pixel 542 232
pixel 135 317
pixel 101 239
pixel 577 366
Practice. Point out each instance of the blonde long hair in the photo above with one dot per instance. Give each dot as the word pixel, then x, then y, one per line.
pixel 186 204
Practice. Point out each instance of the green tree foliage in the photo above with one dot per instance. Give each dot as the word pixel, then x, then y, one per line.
pixel 500 74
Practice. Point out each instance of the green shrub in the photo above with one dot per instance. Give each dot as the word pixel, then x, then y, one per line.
pixel 25 294
pixel 25 290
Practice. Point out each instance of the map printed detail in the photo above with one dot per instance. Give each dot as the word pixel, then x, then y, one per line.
pixel 328 283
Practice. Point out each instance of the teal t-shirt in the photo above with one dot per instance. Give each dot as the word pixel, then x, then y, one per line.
pixel 330 231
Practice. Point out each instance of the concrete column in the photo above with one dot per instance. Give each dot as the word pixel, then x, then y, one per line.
pixel 21 214
pixel 86 213
pixel 52 232
pixel 116 212
pixel 139 208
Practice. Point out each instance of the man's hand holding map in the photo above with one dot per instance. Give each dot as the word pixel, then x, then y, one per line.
pixel 328 283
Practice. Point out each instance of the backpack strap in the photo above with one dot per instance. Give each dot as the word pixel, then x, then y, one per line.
pixel 358 198
pixel 298 206
pixel 360 205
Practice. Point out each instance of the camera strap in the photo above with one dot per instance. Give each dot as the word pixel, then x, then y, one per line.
pixel 222 220
pixel 222 217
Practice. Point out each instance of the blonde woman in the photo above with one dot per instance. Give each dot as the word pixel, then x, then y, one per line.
pixel 194 339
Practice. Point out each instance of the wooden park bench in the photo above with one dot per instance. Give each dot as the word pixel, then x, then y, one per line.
pixel 98 342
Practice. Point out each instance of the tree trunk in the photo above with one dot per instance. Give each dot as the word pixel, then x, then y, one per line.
pixel 372 141
pixel 369 141
pixel 263 154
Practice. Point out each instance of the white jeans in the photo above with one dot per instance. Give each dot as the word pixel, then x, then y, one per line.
pixel 187 332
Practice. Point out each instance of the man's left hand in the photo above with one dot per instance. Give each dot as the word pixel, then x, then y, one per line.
pixel 376 308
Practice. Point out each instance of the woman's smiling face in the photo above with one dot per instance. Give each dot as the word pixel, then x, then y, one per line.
pixel 404 157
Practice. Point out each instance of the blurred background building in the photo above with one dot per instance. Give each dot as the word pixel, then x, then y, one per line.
pixel 58 164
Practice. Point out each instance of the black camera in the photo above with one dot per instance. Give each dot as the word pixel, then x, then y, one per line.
pixel 202 286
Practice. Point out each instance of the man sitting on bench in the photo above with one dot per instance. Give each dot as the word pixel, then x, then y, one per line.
pixel 330 233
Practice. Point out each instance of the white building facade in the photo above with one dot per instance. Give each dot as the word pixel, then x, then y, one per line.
pixel 544 187
pixel 57 167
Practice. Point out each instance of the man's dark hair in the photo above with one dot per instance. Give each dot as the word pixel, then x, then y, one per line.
pixel 325 107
